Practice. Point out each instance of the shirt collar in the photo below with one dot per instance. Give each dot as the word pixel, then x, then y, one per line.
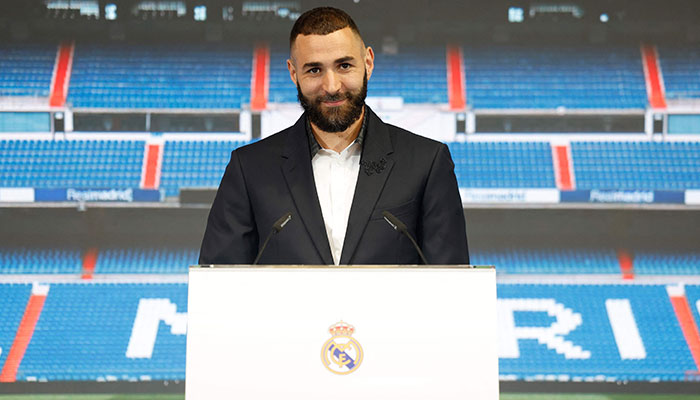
pixel 315 147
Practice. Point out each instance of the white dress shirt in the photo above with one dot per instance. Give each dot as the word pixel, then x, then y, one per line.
pixel 335 175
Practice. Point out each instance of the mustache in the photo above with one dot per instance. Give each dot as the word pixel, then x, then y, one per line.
pixel 333 97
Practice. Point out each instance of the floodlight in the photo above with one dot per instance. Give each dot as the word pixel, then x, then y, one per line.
pixel 111 12
pixel 200 13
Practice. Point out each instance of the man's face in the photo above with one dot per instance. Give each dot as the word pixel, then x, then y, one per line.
pixel 331 73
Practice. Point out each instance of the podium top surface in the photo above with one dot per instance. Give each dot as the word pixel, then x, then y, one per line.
pixel 384 266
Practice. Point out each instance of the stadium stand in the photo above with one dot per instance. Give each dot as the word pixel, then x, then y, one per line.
pixel 24 260
pixel 194 164
pixel 666 262
pixel 114 260
pixel 636 165
pixel 137 260
pixel 85 329
pixel 418 75
pixel 176 76
pixel 663 354
pixel 201 163
pixel 219 76
pixel 88 331
pixel 548 260
pixel 510 260
pixel 503 164
pixel 14 299
pixel 25 69
pixel 582 77
pixel 281 89
pixel 71 163
pixel 477 165
pixel 679 65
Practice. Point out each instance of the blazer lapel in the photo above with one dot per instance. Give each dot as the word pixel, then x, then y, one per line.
pixel 299 175
pixel 375 167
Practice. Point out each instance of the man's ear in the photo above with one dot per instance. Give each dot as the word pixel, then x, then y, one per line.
pixel 292 71
pixel 369 61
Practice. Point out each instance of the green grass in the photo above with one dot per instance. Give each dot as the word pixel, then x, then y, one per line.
pixel 529 396
pixel 504 396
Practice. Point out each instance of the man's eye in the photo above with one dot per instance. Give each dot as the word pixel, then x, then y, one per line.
pixel 314 70
pixel 345 66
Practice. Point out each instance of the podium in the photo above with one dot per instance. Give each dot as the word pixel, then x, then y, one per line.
pixel 348 332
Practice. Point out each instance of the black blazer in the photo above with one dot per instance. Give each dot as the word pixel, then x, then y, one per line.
pixel 410 176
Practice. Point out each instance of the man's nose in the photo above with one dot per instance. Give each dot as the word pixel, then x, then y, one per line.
pixel 331 83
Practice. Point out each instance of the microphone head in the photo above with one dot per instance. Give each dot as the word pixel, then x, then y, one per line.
pixel 280 223
pixel 394 222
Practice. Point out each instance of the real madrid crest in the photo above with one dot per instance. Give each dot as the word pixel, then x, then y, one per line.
pixel 342 354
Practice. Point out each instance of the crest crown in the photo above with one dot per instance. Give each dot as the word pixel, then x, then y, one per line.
pixel 341 329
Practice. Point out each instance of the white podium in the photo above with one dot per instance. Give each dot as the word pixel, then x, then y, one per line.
pixel 356 332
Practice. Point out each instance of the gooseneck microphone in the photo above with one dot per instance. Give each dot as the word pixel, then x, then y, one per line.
pixel 401 227
pixel 276 227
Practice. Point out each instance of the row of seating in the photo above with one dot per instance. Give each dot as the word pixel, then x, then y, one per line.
pixel 596 165
pixel 554 76
pixel 219 76
pixel 680 66
pixel 71 163
pixel 85 330
pixel 509 260
pixel 636 165
pixel 26 69
pixel 503 164
pixel 194 164
pixel 182 76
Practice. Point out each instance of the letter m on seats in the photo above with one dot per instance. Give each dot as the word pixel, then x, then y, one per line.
pixel 145 330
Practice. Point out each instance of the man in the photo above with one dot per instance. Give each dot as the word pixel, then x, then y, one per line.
pixel 336 170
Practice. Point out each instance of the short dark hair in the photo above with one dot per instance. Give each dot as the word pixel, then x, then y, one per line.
pixel 321 21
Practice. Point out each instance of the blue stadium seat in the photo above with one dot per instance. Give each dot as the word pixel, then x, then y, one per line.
pixel 667 357
pixel 71 163
pixel 26 69
pixel 548 260
pixel 146 76
pixel 503 164
pixel 636 165
pixel 167 260
pixel 85 329
pixel 680 65
pixel 14 302
pixel 281 87
pixel 24 260
pixel 548 77
pixel 666 262
pixel 194 164
pixel 416 74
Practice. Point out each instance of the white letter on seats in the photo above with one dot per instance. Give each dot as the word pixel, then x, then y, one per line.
pixel 629 341
pixel 551 336
pixel 145 329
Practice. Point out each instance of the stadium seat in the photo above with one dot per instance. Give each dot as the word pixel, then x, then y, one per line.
pixel 147 76
pixel 549 77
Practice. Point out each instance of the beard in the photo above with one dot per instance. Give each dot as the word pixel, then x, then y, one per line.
pixel 334 119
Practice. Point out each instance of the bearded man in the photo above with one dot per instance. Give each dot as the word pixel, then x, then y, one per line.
pixel 336 170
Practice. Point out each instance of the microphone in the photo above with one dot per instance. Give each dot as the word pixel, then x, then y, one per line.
pixel 401 227
pixel 276 227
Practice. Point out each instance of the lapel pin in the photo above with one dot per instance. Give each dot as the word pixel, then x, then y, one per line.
pixel 373 167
